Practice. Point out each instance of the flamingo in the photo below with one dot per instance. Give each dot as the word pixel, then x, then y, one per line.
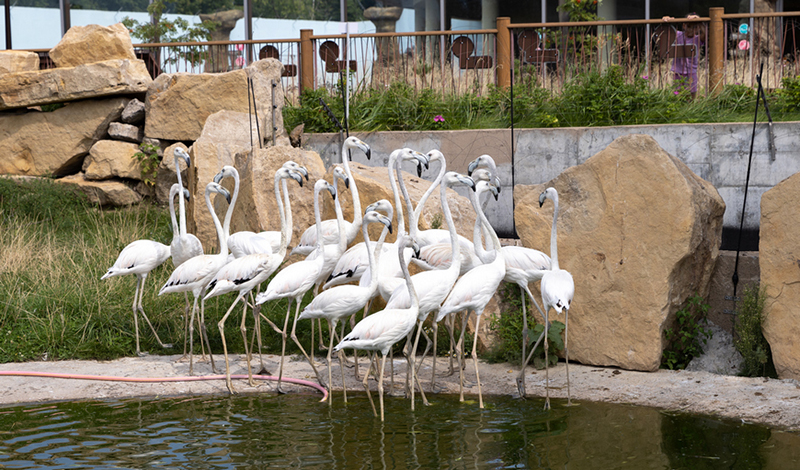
pixel 432 287
pixel 243 274
pixel 523 266
pixel 342 301
pixel 330 228
pixel 195 274
pixel 246 242
pixel 558 289
pixel 295 280
pixel 381 330
pixel 139 258
pixel 474 290
pixel 184 245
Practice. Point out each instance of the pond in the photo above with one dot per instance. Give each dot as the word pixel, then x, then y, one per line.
pixel 292 431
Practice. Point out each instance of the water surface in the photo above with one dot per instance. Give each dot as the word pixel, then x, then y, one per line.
pixel 293 431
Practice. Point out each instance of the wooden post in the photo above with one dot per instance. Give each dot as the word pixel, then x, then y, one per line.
pixel 716 50
pixel 306 60
pixel 504 59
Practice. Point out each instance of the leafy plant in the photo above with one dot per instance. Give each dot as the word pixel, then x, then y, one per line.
pixel 508 328
pixel 686 340
pixel 580 10
pixel 750 341
pixel 147 156
pixel 790 93
pixel 177 30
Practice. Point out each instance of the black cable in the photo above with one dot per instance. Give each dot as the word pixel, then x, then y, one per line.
pixel 250 114
pixel 255 110
pixel 513 171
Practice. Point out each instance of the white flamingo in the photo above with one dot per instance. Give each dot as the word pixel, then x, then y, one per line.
pixel 293 281
pixel 432 287
pixel 340 302
pixel 474 290
pixel 381 330
pixel 245 242
pixel 558 289
pixel 195 274
pixel 243 274
pixel 330 230
pixel 139 258
pixel 523 266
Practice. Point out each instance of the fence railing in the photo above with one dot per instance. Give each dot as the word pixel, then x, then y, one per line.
pixel 546 55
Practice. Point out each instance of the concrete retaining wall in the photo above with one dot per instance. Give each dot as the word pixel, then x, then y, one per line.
pixel 716 152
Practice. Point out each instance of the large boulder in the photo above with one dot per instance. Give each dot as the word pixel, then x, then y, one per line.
pixel 18 61
pixel 779 258
pixel 178 104
pixel 104 193
pixel 224 135
pixel 54 143
pixel 640 233
pixel 112 159
pixel 93 43
pixel 112 77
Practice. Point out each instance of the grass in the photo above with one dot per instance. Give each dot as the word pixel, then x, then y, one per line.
pixel 606 98
pixel 53 305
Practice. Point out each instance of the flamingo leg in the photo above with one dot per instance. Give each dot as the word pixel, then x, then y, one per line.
pixel 413 370
pixel 435 340
pixel 144 315
pixel 136 315
pixel 205 333
pixel 521 377
pixel 283 345
pixel 331 326
pixel 365 382
pixel 546 363
pixel 247 348
pixel 458 349
pixel 475 360
pixel 380 384
pixel 566 352
pixel 186 322
pixel 191 337
pixel 341 366
pixel 221 326
pixel 297 342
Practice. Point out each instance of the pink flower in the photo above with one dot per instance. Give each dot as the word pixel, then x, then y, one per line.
pixel 676 92
pixel 240 47
pixel 438 118
pixel 646 77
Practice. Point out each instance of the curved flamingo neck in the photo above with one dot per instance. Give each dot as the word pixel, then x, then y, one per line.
pixel 406 198
pixel 455 257
pixel 229 214
pixel 175 229
pixel 401 227
pixel 412 293
pixel 553 237
pixel 486 256
pixel 223 244
pixel 181 204
pixel 337 207
pixel 282 213
pixel 414 222
pixel 287 204
pixel 318 220
pixel 357 213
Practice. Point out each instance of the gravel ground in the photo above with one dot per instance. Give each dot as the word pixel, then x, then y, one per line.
pixel 775 403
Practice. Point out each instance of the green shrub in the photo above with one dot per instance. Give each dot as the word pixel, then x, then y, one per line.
pixel 750 341
pixel 687 339
pixel 789 93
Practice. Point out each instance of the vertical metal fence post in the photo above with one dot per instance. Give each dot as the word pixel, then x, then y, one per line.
pixel 504 60
pixel 306 60
pixel 716 50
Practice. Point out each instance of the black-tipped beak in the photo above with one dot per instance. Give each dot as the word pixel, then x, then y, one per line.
pixel 187 160
pixel 390 227
pixel 369 153
pixel 296 177
pixel 496 195
pixel 541 199
pixel 472 165
pixel 347 183
pixel 186 194
pixel 415 247
pixel 218 178
pixel 419 171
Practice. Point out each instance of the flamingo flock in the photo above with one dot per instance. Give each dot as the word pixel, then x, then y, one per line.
pixel 457 275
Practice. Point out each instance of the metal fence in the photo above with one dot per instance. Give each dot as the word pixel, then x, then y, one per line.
pixel 546 55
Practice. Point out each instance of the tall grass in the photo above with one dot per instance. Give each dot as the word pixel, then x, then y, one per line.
pixel 597 98
pixel 55 246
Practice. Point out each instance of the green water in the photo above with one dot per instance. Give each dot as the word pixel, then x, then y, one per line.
pixel 293 431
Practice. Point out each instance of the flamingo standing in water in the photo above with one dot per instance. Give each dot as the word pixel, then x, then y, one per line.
pixel 381 330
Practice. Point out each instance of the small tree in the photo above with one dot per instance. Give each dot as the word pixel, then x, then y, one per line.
pixel 177 30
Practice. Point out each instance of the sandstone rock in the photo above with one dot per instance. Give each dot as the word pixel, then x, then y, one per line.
pixel 256 209
pixel 18 61
pixel 640 233
pixel 112 77
pixel 133 112
pixel 112 159
pixel 166 175
pixel 223 136
pixel 125 132
pixel 54 143
pixel 178 104
pixel 93 43
pixel 296 136
pixel 104 193
pixel 778 260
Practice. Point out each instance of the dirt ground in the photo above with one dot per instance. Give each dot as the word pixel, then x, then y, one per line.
pixel 775 403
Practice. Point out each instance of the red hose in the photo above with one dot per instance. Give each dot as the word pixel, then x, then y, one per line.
pixel 56 375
